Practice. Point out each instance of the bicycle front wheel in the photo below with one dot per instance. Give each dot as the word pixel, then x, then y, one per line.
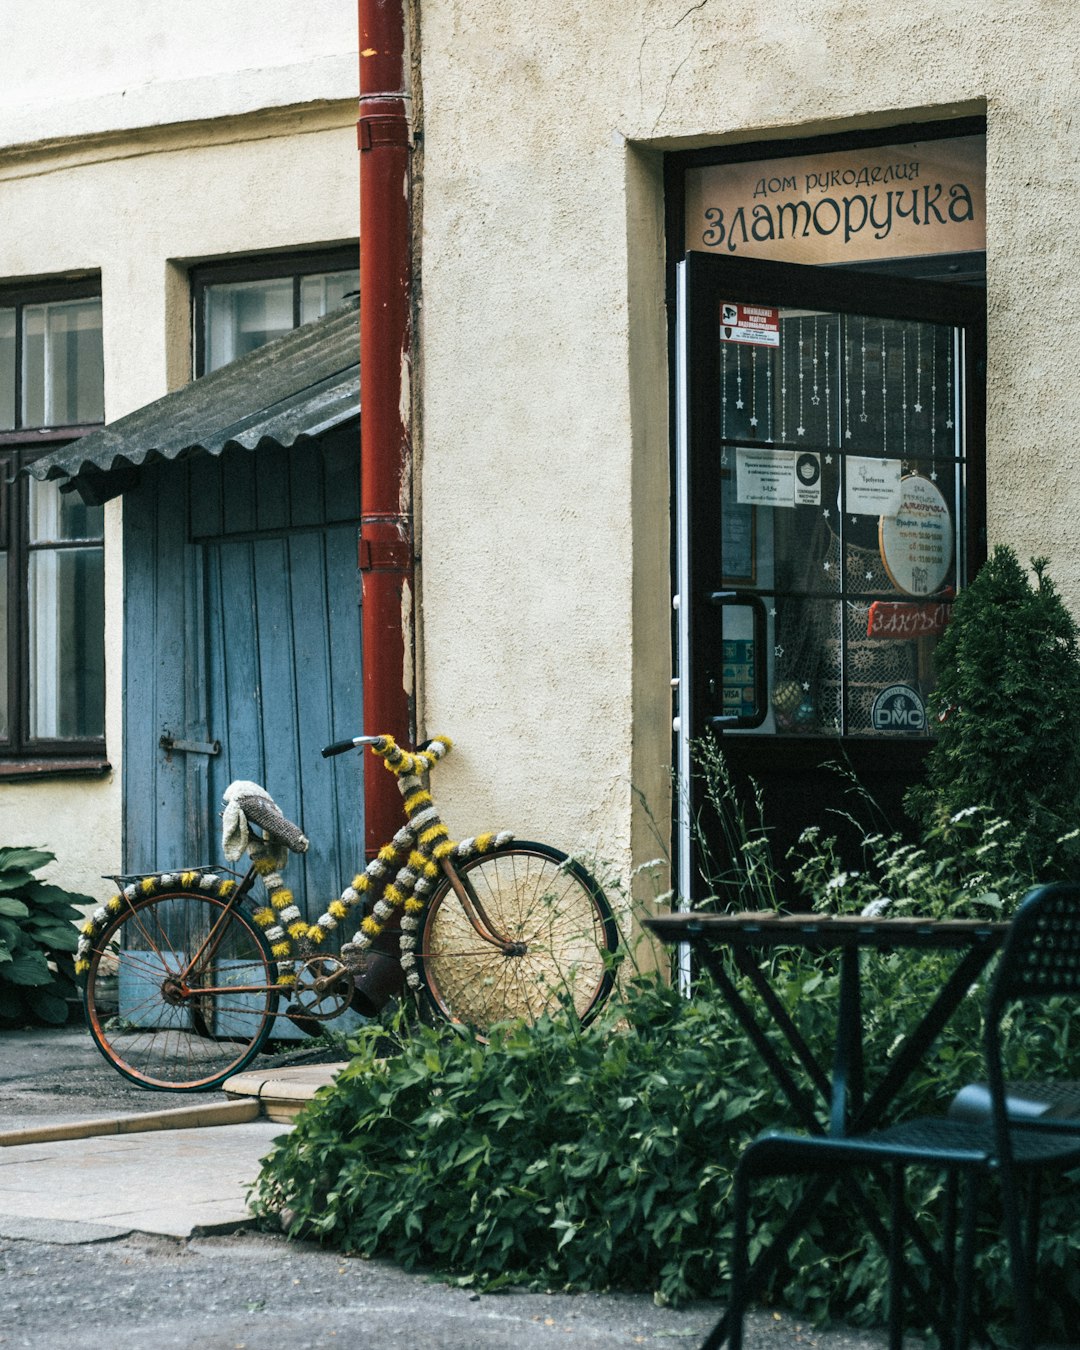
pixel 180 991
pixel 554 933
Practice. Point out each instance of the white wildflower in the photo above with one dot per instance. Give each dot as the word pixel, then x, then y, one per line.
pixel 876 908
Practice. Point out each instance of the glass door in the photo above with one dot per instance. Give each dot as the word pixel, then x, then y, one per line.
pixel 829 493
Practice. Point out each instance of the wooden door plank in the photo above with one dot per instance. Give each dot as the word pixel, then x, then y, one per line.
pixel 342 603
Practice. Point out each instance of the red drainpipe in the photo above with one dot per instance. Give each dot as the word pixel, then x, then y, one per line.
pixel 386 534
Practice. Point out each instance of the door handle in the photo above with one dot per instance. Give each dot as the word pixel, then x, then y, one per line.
pixel 169 743
pixel 733 600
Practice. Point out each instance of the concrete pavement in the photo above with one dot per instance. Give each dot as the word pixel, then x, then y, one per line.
pixel 175 1183
pixel 86 1156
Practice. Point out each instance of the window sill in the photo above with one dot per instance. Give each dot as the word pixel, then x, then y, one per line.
pixel 26 770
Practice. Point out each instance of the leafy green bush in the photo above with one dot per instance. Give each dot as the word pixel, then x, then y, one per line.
pixel 604 1157
pixel 37 940
pixel 1008 671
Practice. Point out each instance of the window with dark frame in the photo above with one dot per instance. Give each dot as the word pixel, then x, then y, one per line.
pixel 239 305
pixel 52 563
pixel 744 655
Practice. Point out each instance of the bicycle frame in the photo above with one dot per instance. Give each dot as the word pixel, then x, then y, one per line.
pixel 475 912
pixel 466 895
pixel 453 910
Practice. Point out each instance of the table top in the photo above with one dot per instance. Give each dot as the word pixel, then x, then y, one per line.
pixel 823 932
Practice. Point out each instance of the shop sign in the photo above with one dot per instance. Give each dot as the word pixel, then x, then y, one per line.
pixel 764 477
pixel 807 478
pixel 777 477
pixel 904 620
pixel 895 201
pixel 917 542
pixel 898 708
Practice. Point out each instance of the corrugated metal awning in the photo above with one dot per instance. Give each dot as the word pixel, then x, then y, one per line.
pixel 297 386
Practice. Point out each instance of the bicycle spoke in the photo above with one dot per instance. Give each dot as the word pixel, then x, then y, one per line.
pixel 160 1034
pixel 554 940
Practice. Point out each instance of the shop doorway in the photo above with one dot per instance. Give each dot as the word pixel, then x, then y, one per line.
pixel 829 505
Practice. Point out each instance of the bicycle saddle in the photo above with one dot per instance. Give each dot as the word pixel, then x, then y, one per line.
pixel 246 802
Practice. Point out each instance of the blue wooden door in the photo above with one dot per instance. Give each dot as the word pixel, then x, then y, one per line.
pixel 242 632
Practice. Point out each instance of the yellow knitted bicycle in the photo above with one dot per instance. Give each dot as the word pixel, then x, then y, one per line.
pixel 490 928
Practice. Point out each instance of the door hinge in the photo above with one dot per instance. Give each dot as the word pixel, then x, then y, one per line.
pixel 169 743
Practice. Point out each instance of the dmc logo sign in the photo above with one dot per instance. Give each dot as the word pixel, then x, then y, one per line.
pixel 898 708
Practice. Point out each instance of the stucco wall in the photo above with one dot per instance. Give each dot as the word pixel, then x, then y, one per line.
pixel 140 208
pixel 545 594
pixel 70 68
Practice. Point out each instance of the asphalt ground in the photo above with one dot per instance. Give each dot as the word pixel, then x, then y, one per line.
pixel 260 1292
pixel 143 1240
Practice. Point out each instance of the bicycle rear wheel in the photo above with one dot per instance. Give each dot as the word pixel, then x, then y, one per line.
pixel 556 933
pixel 164 1022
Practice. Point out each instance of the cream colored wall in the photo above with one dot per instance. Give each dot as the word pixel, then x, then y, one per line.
pixel 543 376
pixel 139 208
pixel 70 68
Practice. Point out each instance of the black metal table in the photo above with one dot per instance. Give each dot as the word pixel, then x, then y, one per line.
pixel 845 1107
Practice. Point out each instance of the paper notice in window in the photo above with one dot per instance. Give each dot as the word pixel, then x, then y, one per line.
pixel 765 477
pixel 807 478
pixel 758 325
pixel 873 486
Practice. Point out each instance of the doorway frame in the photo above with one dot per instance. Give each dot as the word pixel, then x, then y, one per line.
pixel 944 267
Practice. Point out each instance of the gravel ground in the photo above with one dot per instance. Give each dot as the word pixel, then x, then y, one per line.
pixel 259 1292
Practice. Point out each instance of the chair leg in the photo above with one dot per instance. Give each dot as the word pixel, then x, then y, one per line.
pixel 896 1256
pixel 1019 1264
pixel 740 1263
pixel 967 1261
pixel 948 1227
pixel 1034 1214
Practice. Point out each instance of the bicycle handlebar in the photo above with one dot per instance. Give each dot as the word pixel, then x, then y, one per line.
pixel 381 743
pixel 340 747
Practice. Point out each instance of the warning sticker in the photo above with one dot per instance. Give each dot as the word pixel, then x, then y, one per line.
pixel 758 325
pixel 808 479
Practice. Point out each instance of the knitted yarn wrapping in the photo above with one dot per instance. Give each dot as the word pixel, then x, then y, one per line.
pixel 404 873
pixel 208 882
pixel 402 877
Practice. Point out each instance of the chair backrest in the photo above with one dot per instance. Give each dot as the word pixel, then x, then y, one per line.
pixel 1041 956
pixel 1040 959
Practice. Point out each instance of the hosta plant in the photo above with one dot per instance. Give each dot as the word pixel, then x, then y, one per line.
pixel 37 940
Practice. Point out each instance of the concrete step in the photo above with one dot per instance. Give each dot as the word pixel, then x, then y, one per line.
pixel 283 1092
pixel 236 1112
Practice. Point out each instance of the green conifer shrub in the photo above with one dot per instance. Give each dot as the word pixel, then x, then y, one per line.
pixel 1008 702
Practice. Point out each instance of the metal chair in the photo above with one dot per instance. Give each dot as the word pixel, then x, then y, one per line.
pixel 1040 959
pixel 1036 1105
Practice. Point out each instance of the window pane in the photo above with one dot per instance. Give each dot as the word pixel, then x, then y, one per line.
pixel 63 374
pixel 66 596
pixel 57 516
pixel 242 315
pixel 7 369
pixel 325 292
